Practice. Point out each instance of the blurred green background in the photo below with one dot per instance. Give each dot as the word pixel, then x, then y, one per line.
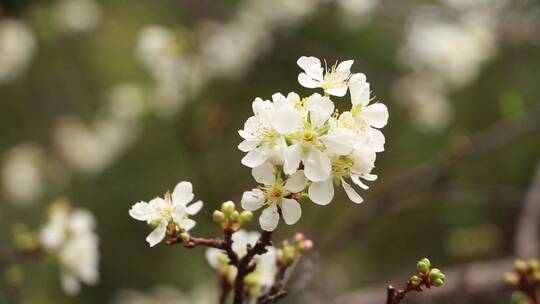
pixel 101 109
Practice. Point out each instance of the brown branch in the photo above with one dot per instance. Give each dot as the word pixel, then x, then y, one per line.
pixel 527 240
pixel 276 292
pixel 245 265
pixel 478 277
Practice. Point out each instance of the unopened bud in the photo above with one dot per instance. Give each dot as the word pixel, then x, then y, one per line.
pixel 218 216
pixel 185 237
pixel 307 245
pixel 246 216
pixel 520 265
pixel 289 254
pixel 423 265
pixel 227 207
pixel 299 237
pixel 534 265
pixel 235 216
pixel 434 274
pixel 511 278
pixel 438 282
pixel 415 280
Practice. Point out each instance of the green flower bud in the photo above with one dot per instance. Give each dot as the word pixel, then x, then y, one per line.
pixel 218 216
pixel 289 253
pixel 434 274
pixel 185 237
pixel 228 207
pixel 423 265
pixel 536 276
pixel 511 278
pixel 235 216
pixel 519 297
pixel 534 265
pixel 438 283
pixel 246 216
pixel 520 265
pixel 415 280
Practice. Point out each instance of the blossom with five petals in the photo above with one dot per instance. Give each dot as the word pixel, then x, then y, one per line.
pixel 172 209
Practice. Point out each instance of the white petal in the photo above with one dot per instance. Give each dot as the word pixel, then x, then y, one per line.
pixel 317 165
pixel 358 182
pixel 376 115
pixel 321 193
pixel 345 66
pixel 296 182
pixel 276 153
pixel 364 160
pixel 307 81
pixel 254 158
pixel 269 218
pixel 187 223
pixel 320 109
pixel 158 234
pixel 212 256
pixel 339 91
pixel 359 89
pixel 179 212
pixel 253 200
pixel 291 211
pixel 194 208
pixel 183 193
pixel 70 284
pixel 141 211
pixel 286 119
pixel 264 174
pixel 341 141
pixel 293 155
pixel 312 66
pixel 248 145
pixel 369 177
pixel 377 140
pixel 279 99
pixel 351 193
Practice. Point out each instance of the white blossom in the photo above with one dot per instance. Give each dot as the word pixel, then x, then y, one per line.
pixel 160 212
pixel 273 195
pixel 70 234
pixel 333 81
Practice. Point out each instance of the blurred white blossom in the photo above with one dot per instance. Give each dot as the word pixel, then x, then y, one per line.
pixel 22 173
pixel 167 295
pixel 17 47
pixel 426 100
pixel 454 51
pixel 92 148
pixel 70 235
pixel 78 15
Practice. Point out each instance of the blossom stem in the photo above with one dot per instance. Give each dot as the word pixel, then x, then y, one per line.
pixel 275 292
pixel 245 266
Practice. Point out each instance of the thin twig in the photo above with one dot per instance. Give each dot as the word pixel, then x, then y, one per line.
pixel 245 267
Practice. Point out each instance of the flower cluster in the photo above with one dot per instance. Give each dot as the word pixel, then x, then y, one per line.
pixel 525 279
pixel 298 146
pixel 70 235
pixel 168 214
pixel 426 277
